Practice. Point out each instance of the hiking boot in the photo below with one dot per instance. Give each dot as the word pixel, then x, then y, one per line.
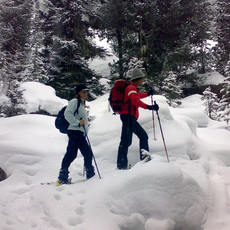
pixel 122 167
pixel 90 172
pixel 63 175
pixel 90 175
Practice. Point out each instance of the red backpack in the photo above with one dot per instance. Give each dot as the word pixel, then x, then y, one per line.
pixel 116 97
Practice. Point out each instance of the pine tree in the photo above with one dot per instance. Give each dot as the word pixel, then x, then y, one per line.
pixel 223 34
pixel 113 25
pixel 181 45
pixel 15 27
pixel 171 89
pixel 134 63
pixel 17 103
pixel 211 103
pixel 66 26
pixel 36 70
pixel 166 35
pixel 224 107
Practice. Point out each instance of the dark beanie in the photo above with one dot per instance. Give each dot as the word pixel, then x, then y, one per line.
pixel 80 87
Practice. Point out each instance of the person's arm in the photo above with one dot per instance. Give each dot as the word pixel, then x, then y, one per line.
pixel 143 95
pixel 69 113
pixel 135 97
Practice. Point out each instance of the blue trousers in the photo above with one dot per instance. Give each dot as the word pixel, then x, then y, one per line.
pixel 77 141
pixel 130 126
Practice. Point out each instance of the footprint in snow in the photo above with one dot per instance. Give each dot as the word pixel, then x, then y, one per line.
pixel 57 197
pixel 79 211
pixel 31 172
pixel 74 221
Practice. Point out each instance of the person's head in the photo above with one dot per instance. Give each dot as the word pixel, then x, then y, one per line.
pixel 137 76
pixel 82 91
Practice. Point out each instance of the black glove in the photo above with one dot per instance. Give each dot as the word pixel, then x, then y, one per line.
pixel 150 92
pixel 153 107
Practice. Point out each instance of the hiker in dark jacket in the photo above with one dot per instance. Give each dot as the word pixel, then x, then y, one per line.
pixel 129 116
pixel 76 115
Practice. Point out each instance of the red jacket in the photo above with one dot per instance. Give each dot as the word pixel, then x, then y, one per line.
pixel 132 100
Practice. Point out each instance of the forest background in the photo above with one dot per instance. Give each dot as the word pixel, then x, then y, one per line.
pixel 175 42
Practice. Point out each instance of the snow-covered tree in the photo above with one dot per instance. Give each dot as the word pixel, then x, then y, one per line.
pixel 223 34
pixel 15 31
pixel 68 45
pixel 113 25
pixel 171 89
pixel 164 34
pixel 211 103
pixel 14 102
pixel 35 69
pixel 133 63
pixel 224 107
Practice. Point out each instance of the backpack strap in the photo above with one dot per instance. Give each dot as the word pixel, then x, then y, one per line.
pixel 78 105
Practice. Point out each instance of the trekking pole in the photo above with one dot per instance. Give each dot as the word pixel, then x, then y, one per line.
pixel 154 133
pixel 87 138
pixel 83 174
pixel 162 133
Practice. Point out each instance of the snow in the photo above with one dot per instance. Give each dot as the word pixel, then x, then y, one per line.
pixel 212 78
pixel 207 79
pixel 101 65
pixel 104 69
pixel 41 97
pixel 192 107
pixel 191 192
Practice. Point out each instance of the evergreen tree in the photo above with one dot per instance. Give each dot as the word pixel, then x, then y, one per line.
pixel 223 34
pixel 15 105
pixel 113 25
pixel 68 46
pixel 224 107
pixel 211 103
pixel 15 27
pixel 171 89
pixel 166 35
pixel 35 70
pixel 134 63
pixel 181 30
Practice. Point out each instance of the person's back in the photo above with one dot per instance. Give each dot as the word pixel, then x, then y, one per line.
pixel 132 100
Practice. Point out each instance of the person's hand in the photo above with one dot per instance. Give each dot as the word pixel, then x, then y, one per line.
pixel 150 92
pixel 82 122
pixel 153 107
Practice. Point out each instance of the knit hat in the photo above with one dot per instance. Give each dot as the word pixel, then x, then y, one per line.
pixel 136 74
pixel 81 87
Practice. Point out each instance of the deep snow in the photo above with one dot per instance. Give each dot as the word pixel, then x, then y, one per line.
pixel 191 192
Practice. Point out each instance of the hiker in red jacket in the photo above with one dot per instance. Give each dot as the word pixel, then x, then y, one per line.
pixel 129 115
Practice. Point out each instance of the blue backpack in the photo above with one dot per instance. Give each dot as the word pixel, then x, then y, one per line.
pixel 60 122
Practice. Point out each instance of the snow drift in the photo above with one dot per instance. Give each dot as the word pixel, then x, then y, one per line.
pixel 191 192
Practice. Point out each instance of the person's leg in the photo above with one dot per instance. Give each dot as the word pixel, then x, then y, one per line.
pixel 126 140
pixel 143 137
pixel 87 153
pixel 71 154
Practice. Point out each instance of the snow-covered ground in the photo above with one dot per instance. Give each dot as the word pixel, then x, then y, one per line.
pixel 191 192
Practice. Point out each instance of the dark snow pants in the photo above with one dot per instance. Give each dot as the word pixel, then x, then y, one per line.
pixel 77 141
pixel 130 126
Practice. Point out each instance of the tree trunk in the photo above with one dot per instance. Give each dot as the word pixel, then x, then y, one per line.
pixel 120 53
